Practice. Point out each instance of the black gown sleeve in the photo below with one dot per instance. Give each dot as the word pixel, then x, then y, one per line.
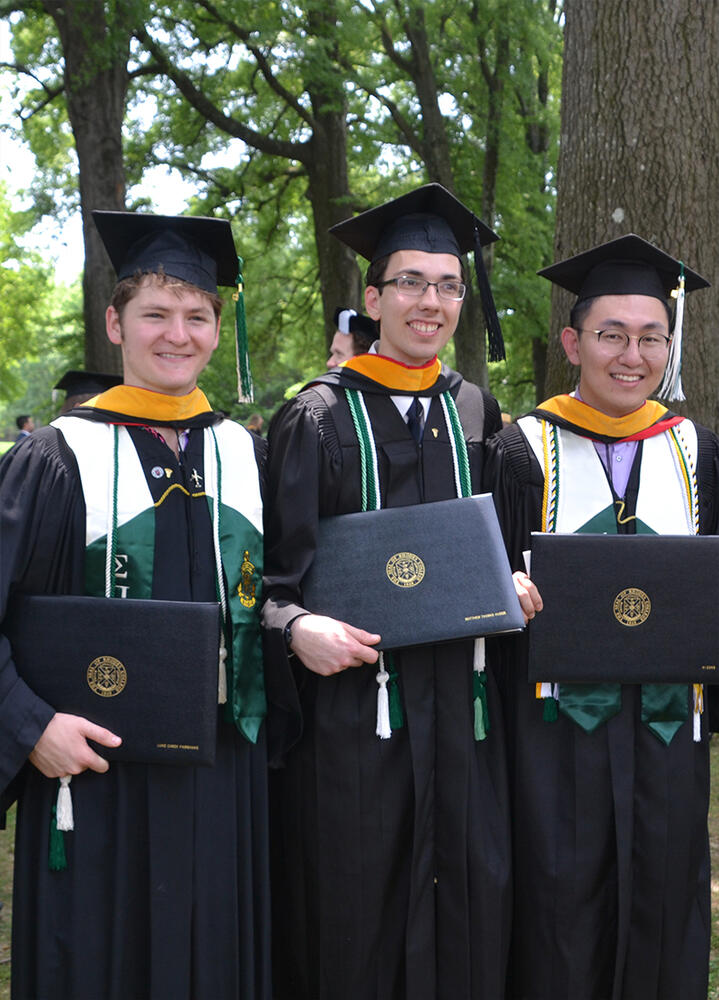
pixel 492 415
pixel 304 470
pixel 512 475
pixel 42 528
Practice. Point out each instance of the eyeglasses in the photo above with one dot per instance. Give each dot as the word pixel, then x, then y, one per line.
pixel 409 285
pixel 615 342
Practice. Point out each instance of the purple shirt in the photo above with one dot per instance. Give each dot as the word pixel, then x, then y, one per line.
pixel 617 459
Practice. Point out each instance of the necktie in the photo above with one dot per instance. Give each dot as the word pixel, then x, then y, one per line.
pixel 415 419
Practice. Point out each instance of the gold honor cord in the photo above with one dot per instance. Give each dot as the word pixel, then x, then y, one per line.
pixel 620 518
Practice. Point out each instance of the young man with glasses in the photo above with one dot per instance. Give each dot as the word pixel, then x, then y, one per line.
pixel 610 782
pixel 391 870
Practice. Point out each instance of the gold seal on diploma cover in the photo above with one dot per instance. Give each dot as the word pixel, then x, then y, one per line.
pixel 632 607
pixel 405 569
pixel 106 676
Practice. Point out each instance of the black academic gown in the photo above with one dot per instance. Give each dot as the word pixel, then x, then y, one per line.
pixel 390 857
pixel 611 854
pixel 166 891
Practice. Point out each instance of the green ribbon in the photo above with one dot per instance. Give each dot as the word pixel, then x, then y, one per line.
pixel 590 705
pixel 665 708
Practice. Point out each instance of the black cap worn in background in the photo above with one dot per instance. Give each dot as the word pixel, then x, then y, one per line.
pixel 350 321
pixel 430 219
pixel 195 249
pixel 628 265
pixel 76 382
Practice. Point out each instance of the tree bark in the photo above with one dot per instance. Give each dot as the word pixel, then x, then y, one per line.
pixel 96 52
pixel 639 153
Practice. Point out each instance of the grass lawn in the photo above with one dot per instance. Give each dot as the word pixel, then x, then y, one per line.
pixel 6 861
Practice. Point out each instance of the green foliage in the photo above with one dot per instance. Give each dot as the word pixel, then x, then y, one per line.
pixel 263 72
pixel 24 288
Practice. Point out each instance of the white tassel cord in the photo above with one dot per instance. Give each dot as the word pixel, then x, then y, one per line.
pixel 671 387
pixel 222 675
pixel 213 483
pixel 63 807
pixel 698 709
pixel 384 730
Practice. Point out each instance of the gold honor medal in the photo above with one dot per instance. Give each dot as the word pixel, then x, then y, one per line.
pixel 247 587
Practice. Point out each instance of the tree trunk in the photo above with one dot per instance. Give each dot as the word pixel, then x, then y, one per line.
pixel 340 278
pixel 639 150
pixel 96 81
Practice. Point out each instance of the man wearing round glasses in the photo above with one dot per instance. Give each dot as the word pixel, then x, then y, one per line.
pixel 610 781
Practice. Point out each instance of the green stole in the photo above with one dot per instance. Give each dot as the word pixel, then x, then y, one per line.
pixel 120 539
pixel 578 498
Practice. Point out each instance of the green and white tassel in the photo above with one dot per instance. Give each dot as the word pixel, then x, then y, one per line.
pixel 549 693
pixel 61 822
pixel 479 690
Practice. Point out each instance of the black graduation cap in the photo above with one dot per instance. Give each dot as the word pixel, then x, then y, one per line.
pixel 631 265
pixel 195 249
pixel 77 383
pixel 431 219
pixel 628 265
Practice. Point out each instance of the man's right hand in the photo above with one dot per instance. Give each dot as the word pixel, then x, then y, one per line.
pixel 63 748
pixel 327 646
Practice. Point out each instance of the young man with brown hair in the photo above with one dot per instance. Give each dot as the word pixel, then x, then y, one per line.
pixel 142 492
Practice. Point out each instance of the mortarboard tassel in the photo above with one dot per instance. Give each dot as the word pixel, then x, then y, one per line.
pixel 479 692
pixel 549 696
pixel 222 674
pixel 698 709
pixel 61 821
pixel 57 859
pixel 244 375
pixel 495 341
pixel 671 386
pixel 383 730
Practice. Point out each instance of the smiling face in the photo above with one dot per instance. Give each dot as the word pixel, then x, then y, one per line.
pixel 413 329
pixel 618 385
pixel 167 333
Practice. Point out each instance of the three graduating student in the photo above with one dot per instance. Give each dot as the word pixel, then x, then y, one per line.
pixel 163 888
pixel 609 782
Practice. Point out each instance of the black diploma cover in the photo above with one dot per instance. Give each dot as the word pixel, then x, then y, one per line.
pixel 421 574
pixel 625 608
pixel 147 670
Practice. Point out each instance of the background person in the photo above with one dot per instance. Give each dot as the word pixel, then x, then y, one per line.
pixel 25 426
pixel 355 334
